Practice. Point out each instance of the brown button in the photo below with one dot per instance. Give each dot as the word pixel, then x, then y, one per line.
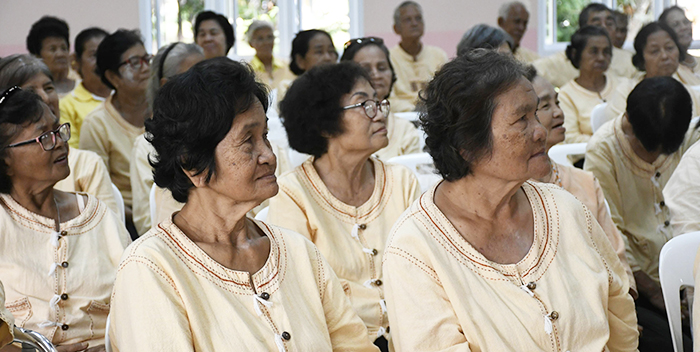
pixel 662 203
pixel 363 226
pixel 378 282
pixel 287 336
pixel 666 223
pixel 554 315
pixel 374 251
pixel 64 264
pixel 387 329
pixel 65 327
pixel 531 285
pixel 64 296
pixel 265 296
pixel 64 233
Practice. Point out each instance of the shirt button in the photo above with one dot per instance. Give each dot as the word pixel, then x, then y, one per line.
pixel 265 296
pixel 662 203
pixel 378 282
pixel 287 336
pixel 363 226
pixel 64 264
pixel 387 329
pixel 666 223
pixel 532 285
pixel 64 296
pixel 554 315
pixel 374 251
pixel 65 327
pixel 64 233
pixel 658 174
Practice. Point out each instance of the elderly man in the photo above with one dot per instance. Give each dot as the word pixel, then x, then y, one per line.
pixel 413 62
pixel 621 24
pixel 558 70
pixel 513 18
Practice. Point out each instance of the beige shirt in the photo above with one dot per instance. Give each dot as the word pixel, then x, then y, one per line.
pixel 558 70
pixel 106 133
pixel 7 321
pixel 351 238
pixel 403 138
pixel 577 103
pixel 569 292
pixel 413 75
pixel 89 174
pixel 186 301
pixel 696 306
pixel 525 55
pixel 682 193
pixel 633 189
pixel 60 284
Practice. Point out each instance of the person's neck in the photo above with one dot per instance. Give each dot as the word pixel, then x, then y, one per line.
pixel 477 199
pixel 97 88
pixel 548 177
pixel 637 146
pixel 412 47
pixel 592 81
pixel 60 76
pixel 35 197
pixel 345 174
pixel 132 107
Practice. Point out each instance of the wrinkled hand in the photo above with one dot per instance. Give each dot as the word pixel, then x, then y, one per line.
pixel 76 347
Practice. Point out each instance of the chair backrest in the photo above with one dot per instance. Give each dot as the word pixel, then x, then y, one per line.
pixel 676 270
pixel 560 152
pixel 421 164
pixel 262 214
pixel 153 207
pixel 410 116
pixel 120 202
pixel 598 116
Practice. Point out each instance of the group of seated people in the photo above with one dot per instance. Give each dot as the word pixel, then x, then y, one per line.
pixel 510 251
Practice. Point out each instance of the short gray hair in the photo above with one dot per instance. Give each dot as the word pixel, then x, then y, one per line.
pixel 17 69
pixel 176 55
pixel 505 8
pixel 483 36
pixel 397 12
pixel 257 24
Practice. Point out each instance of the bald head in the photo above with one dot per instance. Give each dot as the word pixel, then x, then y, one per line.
pixel 513 18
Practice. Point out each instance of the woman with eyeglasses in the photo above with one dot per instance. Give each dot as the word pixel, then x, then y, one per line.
pixel 59 251
pixel 373 56
pixel 343 199
pixel 111 129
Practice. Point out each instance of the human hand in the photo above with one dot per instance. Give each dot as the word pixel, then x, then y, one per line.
pixel 76 347
pixel 100 348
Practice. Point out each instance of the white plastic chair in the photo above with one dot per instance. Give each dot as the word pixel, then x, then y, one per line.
pixel 560 152
pixel 598 116
pixel 108 345
pixel 675 271
pixel 152 203
pixel 120 202
pixel 421 164
pixel 262 214
pixel 410 116
pixel 296 158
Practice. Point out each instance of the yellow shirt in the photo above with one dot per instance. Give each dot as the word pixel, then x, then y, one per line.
pixel 443 294
pixel 633 189
pixel 351 238
pixel 7 321
pixel 106 133
pixel 412 75
pixel 403 138
pixel 86 259
pixel 577 103
pixel 186 301
pixel 74 107
pixel 682 193
pixel 280 78
pixel 525 55
pixel 558 70
pixel 88 174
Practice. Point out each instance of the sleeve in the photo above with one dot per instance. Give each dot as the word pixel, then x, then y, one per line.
pixel 92 137
pixel 420 313
pixel 682 194
pixel 7 321
pixel 141 177
pixel 617 104
pixel 571 119
pixel 147 313
pixel 414 190
pixel 94 179
pixel 289 213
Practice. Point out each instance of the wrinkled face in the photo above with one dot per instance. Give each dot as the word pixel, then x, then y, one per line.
pixel 87 62
pixel 321 51
pixel 550 115
pixel 43 86
pixel 660 55
pixel 30 164
pixel 212 39
pixel 54 53
pixel 245 163
pixel 519 139
pixel 131 79
pixel 682 26
pixel 605 20
pixel 374 60
pixel 516 22
pixel 360 133
pixel 596 55
pixel 410 23
pixel 263 42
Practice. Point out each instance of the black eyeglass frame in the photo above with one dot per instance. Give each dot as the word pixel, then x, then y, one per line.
pixel 378 105
pixel 148 59
pixel 53 134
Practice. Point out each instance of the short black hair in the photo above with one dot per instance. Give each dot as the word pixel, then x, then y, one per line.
pixel 109 53
pixel 640 41
pixel 300 46
pixel 586 12
pixel 457 108
pixel 46 27
pixel 659 110
pixel 311 110
pixel 192 113
pixel 579 40
pixel 21 108
pixel 357 44
pixel 223 23
pixel 485 37
pixel 84 36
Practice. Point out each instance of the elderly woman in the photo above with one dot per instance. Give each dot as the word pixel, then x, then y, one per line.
pixel 373 56
pixel 590 52
pixel 91 91
pixel 48 39
pixel 246 285
pixel 170 60
pixel 485 37
pixel 270 70
pixel 59 251
pixel 343 199
pixel 310 48
pixel 214 33
pixel 111 129
pixel 483 261
pixel 88 172
pixel 675 18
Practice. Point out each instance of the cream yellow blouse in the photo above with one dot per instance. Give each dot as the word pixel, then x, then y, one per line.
pixel 169 295
pixel 633 189
pixel 351 238
pixel 413 75
pixel 525 55
pixel 403 138
pixel 59 284
pixel 569 292
pixel 7 321
pixel 682 193
pixel 558 70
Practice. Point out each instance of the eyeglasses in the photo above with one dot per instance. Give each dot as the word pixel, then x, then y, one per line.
pixel 363 41
pixel 371 107
pixel 47 140
pixel 8 93
pixel 136 62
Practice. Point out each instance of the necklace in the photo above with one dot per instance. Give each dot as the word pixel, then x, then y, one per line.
pixel 557 179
